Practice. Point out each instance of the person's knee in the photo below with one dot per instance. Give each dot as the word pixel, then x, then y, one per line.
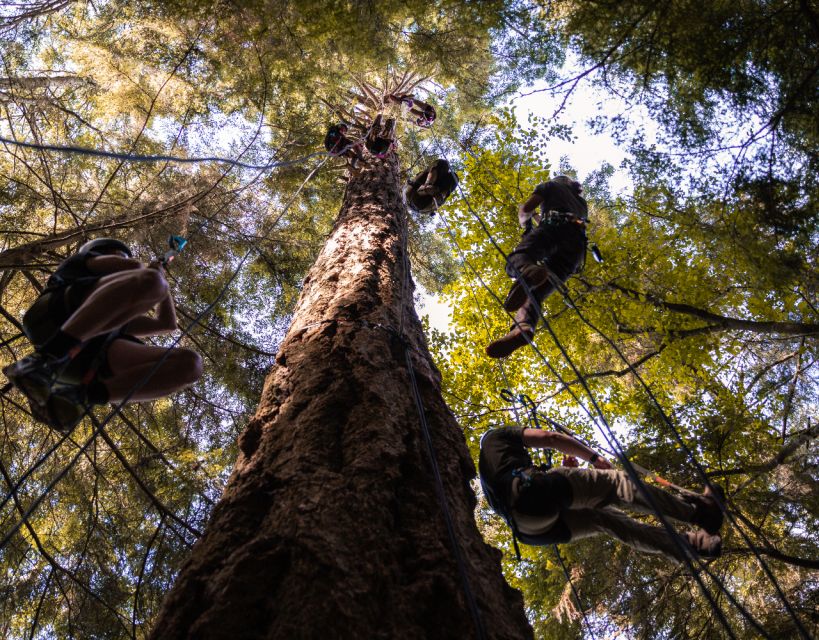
pixel 150 284
pixel 515 263
pixel 189 365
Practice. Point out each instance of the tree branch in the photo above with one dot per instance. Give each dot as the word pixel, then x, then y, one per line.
pixel 723 322
pixel 808 563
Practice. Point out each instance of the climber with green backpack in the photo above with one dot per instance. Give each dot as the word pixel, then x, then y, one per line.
pixel 86 327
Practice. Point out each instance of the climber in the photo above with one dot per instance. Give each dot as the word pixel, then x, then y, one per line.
pixel 558 242
pixel 563 504
pixel 381 139
pixel 423 111
pixel 338 144
pixel 429 189
pixel 85 327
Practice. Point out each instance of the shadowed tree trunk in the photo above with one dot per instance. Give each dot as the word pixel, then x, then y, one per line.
pixel 330 526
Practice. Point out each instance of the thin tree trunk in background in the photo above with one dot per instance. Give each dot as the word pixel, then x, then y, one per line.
pixel 330 526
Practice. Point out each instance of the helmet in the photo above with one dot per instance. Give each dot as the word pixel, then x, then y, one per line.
pixel 102 245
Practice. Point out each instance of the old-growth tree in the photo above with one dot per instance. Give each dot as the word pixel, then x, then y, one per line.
pixel 330 523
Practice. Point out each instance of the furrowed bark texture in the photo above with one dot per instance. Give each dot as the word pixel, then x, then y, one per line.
pixel 330 526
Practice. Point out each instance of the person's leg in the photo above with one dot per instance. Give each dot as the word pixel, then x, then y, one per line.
pixel 429 188
pixel 356 151
pixel 522 330
pixel 522 265
pixel 593 488
pixel 353 152
pixel 533 282
pixel 116 299
pixel 131 362
pixel 583 523
pixel 401 98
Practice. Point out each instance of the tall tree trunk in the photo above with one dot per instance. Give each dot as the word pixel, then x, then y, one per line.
pixel 330 526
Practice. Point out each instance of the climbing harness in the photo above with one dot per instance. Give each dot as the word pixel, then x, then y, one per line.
pixel 560 217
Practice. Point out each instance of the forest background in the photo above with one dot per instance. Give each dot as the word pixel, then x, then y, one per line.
pixel 709 287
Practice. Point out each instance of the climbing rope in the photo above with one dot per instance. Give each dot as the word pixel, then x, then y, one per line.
pixel 614 444
pixel 433 458
pixel 561 287
pixel 693 459
pixel 117 409
pixel 574 591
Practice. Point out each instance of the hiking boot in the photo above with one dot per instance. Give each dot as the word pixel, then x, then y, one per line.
pixel 535 276
pixel 34 375
pixel 707 511
pixel 66 407
pixel 513 340
pixel 62 410
pixel 705 544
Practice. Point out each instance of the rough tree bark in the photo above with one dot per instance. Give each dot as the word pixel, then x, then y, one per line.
pixel 330 526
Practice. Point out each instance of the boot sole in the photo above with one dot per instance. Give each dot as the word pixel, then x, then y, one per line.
pixel 34 391
pixel 501 348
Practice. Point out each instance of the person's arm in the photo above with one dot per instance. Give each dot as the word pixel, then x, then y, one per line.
pixel 111 264
pixel 540 439
pixel 528 208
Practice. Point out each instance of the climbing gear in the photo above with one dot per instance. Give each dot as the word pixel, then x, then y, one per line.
pixel 534 418
pixel 100 245
pixel 60 406
pixel 556 534
pixel 559 217
pixel 35 374
pixel 509 343
pixel 531 277
pixel 63 409
pixel 176 244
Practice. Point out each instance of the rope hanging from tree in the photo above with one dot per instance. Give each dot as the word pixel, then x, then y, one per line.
pixel 621 455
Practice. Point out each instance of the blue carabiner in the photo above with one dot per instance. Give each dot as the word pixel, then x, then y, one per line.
pixel 176 244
